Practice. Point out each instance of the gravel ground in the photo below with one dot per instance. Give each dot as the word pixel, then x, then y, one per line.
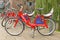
pixel 26 35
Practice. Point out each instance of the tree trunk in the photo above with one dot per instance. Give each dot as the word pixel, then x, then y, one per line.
pixel 59 21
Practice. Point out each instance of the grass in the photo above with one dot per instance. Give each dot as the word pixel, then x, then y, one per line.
pixel 57 30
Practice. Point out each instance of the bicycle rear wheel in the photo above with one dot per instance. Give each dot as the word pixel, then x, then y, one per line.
pixel 14 31
pixel 47 31
pixel 3 21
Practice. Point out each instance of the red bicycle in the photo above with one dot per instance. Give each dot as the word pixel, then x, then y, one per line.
pixel 15 26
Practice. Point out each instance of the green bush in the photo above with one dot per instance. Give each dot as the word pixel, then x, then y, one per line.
pixel 47 5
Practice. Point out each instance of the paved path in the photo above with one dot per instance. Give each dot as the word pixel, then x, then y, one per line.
pixel 27 36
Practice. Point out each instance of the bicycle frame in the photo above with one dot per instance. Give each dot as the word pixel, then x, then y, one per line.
pixel 33 25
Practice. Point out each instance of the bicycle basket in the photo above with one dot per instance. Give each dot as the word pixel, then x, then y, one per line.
pixel 39 20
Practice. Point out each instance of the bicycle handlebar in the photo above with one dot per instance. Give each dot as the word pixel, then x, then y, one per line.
pixel 39 9
pixel 21 7
pixel 7 4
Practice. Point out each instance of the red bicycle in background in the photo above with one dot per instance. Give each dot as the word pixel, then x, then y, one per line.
pixel 42 23
pixel 11 12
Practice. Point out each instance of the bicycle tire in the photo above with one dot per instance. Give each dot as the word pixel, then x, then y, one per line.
pixel 51 29
pixel 2 23
pixel 19 30
pixel 12 9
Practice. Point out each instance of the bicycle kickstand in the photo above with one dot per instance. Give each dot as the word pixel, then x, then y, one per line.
pixel 33 33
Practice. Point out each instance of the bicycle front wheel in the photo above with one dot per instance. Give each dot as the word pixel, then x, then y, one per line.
pixel 47 31
pixel 14 31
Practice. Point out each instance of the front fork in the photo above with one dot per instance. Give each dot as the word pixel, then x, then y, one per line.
pixel 15 23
